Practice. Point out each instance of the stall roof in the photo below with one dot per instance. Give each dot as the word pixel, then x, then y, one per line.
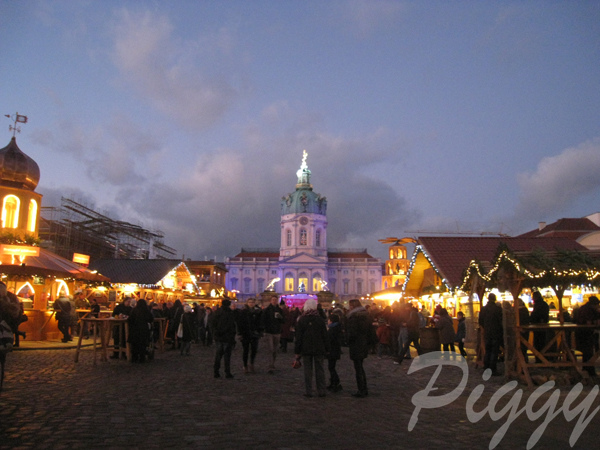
pixel 138 271
pixel 450 256
pixel 50 264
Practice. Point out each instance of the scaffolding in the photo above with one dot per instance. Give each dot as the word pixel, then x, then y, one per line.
pixel 75 228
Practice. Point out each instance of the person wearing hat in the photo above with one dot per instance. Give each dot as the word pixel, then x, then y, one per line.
pixel 223 331
pixel 588 314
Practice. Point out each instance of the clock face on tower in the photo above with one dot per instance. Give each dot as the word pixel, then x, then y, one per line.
pixel 303 220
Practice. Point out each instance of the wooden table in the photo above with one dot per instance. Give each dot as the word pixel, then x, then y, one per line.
pixel 97 327
pixel 557 352
pixel 103 327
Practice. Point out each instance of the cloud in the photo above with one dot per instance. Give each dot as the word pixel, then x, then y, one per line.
pixel 559 182
pixel 367 16
pixel 230 198
pixel 117 153
pixel 176 77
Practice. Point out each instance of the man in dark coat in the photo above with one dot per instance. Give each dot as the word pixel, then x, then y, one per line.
pixel 272 324
pixel 223 331
pixel 588 314
pixel 358 327
pixel 63 307
pixel 539 314
pixel 490 318
pixel 249 330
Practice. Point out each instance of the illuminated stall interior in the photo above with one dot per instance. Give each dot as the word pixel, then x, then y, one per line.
pixel 437 270
pixel 158 280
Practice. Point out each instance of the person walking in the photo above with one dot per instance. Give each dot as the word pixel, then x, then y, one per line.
pixel 223 330
pixel 358 327
pixel 312 344
pixel 272 323
pixel 490 318
pixel 249 331
pixel 413 325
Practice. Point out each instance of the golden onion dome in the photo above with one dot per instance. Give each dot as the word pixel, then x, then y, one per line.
pixel 17 169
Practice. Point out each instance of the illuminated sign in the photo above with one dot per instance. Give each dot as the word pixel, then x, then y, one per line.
pixel 20 250
pixel 80 258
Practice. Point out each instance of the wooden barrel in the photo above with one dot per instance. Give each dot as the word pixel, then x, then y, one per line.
pixel 430 340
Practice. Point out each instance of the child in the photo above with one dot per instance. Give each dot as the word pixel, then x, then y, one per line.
pixel 461 333
pixel 334 333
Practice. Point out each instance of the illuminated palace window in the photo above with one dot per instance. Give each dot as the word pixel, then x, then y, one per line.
pixel 32 217
pixel 303 238
pixel 289 282
pixel 303 280
pixel 289 238
pixel 10 212
pixel 317 282
pixel 318 238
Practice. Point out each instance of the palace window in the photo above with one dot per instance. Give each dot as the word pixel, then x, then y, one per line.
pixel 10 212
pixel 303 237
pixel 260 285
pixel 288 238
pixel 289 283
pixel 318 238
pixel 303 280
pixel 317 282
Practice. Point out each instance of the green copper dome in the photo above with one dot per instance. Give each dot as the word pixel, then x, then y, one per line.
pixel 304 199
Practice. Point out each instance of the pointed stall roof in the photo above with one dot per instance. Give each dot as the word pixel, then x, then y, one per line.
pixel 451 256
pixel 138 271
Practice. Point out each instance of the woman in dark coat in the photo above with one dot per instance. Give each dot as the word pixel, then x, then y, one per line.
pixel 140 322
pixel 312 344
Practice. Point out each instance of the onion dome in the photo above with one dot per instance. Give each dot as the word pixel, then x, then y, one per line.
pixel 17 169
pixel 304 199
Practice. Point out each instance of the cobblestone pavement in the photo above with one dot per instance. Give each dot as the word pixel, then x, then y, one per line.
pixel 49 401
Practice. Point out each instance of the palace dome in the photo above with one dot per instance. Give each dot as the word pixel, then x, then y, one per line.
pixel 304 199
pixel 17 169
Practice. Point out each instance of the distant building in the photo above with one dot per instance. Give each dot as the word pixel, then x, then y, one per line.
pixel 304 263
pixel 584 230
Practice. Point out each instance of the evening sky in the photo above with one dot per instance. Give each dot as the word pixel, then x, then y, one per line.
pixel 418 116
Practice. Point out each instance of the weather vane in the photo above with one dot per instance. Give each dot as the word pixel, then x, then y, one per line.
pixel 18 119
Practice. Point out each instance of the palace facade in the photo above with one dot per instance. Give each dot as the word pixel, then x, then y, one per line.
pixel 303 262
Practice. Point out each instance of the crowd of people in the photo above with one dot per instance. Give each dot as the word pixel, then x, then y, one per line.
pixel 317 335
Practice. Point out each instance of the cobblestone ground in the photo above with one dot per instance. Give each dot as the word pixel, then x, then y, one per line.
pixel 49 401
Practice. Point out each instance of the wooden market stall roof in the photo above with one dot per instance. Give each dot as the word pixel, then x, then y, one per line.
pixel 51 264
pixel 450 257
pixel 148 272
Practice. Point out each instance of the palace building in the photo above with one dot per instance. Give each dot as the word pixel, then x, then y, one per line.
pixel 303 263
